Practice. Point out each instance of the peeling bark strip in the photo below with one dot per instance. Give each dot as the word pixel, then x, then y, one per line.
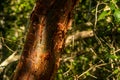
pixel 49 22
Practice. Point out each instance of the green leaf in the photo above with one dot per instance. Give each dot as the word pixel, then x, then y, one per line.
pixel 118 30
pixel 117 15
pixel 112 6
pixel 88 73
pixel 102 15
pixel 116 71
pixel 113 56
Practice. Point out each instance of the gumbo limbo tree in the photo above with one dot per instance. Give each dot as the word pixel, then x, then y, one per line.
pixel 49 22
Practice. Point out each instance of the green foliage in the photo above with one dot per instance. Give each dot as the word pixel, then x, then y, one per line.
pixel 117 15
pixel 14 16
pixel 102 15
pixel 97 57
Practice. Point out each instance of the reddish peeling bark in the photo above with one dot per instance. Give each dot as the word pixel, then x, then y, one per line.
pixel 49 22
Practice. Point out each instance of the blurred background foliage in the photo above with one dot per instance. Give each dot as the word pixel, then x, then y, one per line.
pixel 94 57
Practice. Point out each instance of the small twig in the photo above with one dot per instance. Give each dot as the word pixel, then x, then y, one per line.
pixel 94 66
pixel 6 45
pixel 115 4
pixel 8 48
pixel 70 68
pixel 67 59
pixel 93 51
pixel 93 76
pixel 96 9
pixel 111 74
pixel 95 23
pixel 86 71
pixel 117 50
pixel 67 71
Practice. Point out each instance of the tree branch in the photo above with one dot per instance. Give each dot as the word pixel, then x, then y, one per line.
pixel 78 35
pixel 10 59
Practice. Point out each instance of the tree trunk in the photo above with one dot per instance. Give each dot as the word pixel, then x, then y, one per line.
pixel 49 22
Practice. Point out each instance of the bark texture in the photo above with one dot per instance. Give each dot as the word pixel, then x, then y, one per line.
pixel 49 22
